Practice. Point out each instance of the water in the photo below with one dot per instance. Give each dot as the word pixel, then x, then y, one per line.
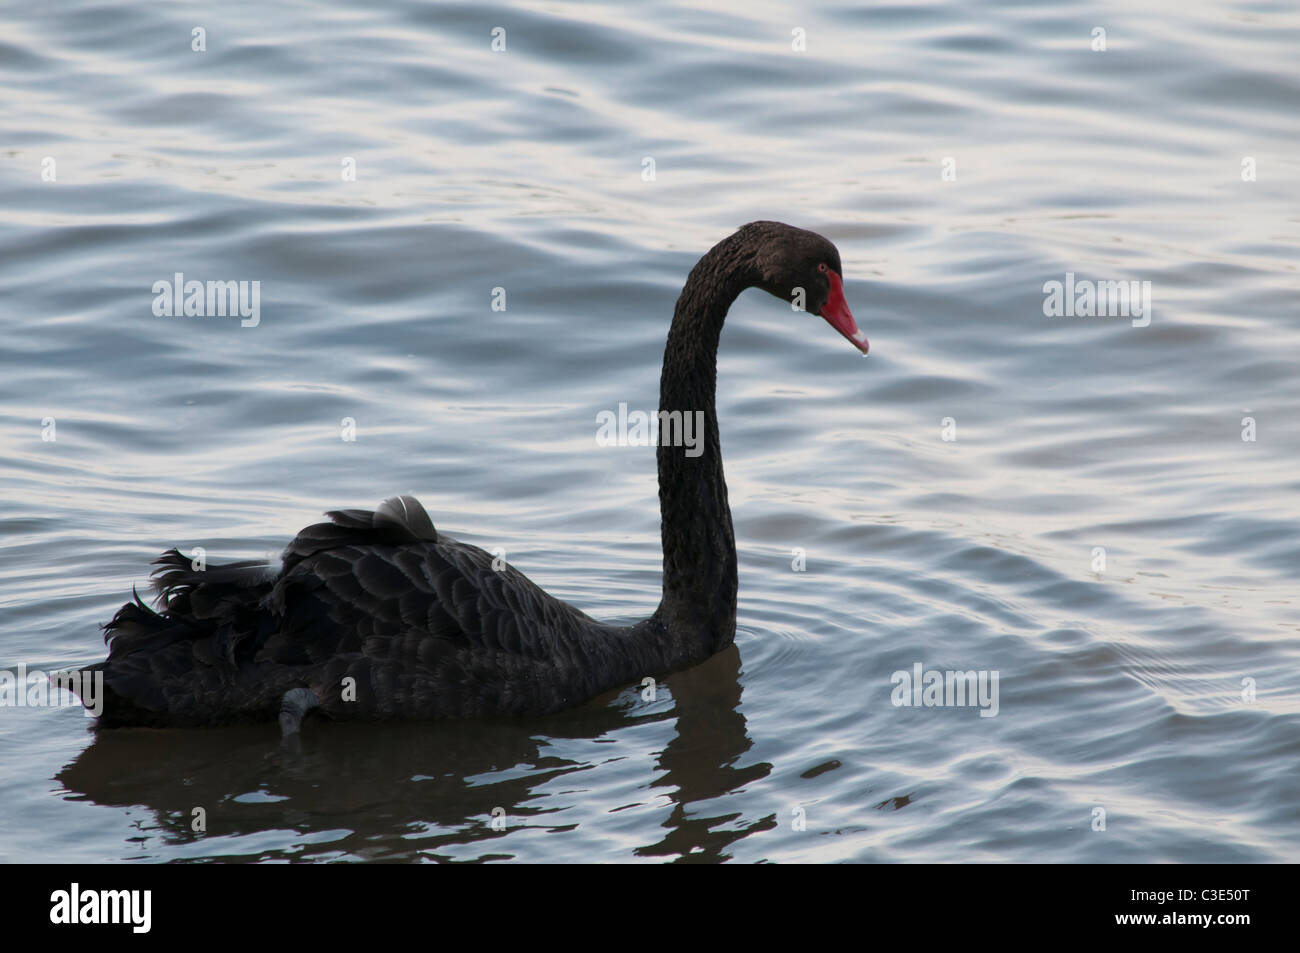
pixel 1162 688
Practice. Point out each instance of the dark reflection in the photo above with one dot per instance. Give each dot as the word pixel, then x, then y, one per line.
pixel 895 803
pixel 700 761
pixel 401 791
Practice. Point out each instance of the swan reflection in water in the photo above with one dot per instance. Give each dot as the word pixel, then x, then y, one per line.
pixel 427 790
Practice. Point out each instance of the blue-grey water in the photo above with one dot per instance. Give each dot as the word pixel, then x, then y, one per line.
pixel 1102 510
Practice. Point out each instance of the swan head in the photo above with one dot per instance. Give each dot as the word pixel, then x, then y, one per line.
pixel 803 268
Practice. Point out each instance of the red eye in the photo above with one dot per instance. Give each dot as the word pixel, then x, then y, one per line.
pixel 822 268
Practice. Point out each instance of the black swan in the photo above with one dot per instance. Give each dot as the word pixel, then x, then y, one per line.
pixel 379 615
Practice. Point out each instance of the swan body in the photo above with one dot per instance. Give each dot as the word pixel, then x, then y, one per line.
pixel 377 615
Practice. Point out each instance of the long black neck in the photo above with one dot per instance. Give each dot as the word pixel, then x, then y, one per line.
pixel 699 598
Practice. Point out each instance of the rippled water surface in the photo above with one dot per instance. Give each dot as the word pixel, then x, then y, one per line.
pixel 1104 514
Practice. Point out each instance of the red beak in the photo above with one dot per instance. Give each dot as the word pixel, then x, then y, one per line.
pixel 837 314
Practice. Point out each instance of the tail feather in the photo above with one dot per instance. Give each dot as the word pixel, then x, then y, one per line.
pixel 137 628
pixel 203 592
pixel 197 658
pixel 216 612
